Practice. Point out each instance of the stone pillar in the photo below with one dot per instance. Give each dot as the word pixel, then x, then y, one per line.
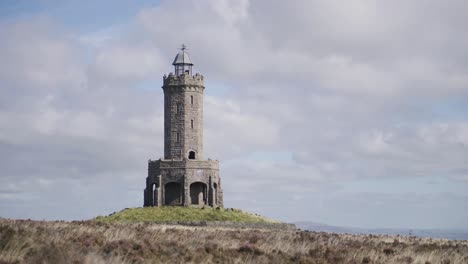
pixel 148 195
pixel 158 197
pixel 155 196
pixel 145 198
pixel 186 191
pixel 162 193
pixel 220 197
pixel 210 193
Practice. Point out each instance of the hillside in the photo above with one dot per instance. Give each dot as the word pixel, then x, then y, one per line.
pixel 24 241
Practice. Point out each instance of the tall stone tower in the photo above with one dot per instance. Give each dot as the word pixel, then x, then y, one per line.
pixel 183 177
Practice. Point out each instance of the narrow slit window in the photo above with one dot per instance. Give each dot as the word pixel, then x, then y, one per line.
pixel 177 108
pixel 177 137
pixel 191 99
pixel 191 123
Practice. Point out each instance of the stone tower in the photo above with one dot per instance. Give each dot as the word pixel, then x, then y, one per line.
pixel 183 177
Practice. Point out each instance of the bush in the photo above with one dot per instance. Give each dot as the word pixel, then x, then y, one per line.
pixel 6 234
pixel 388 251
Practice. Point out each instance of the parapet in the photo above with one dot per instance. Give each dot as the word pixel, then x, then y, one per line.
pixel 183 79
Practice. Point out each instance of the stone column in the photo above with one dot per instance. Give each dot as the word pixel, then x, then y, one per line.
pixel 156 196
pixel 186 191
pixel 210 193
pixel 145 196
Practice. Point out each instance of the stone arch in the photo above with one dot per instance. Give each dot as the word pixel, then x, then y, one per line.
pixel 198 193
pixel 172 193
pixel 191 155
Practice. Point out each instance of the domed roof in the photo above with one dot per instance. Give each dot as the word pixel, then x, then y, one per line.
pixel 182 58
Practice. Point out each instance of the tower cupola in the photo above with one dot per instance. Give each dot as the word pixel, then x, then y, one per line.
pixel 182 63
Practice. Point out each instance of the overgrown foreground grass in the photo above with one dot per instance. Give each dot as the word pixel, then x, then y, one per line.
pixel 23 241
pixel 182 214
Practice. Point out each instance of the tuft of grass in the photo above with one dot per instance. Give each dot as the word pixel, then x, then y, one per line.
pixel 173 214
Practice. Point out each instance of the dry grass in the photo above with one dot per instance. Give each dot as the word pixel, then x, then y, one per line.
pixel 98 242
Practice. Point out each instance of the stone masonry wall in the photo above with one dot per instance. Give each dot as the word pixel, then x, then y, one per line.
pixel 185 173
pixel 179 179
pixel 183 108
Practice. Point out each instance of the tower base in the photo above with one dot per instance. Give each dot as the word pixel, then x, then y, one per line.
pixel 183 183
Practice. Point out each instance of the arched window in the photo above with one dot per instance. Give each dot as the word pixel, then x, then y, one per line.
pixel 191 155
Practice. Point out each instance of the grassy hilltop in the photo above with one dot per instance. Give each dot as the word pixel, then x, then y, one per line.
pixel 175 214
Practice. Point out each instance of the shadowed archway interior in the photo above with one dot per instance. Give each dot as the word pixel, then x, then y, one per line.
pixel 198 193
pixel 172 194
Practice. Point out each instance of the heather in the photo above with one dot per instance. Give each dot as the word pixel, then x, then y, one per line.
pixel 25 241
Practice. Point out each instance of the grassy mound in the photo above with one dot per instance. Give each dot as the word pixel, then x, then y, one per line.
pixel 168 214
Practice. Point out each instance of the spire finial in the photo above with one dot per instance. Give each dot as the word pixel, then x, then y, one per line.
pixel 184 47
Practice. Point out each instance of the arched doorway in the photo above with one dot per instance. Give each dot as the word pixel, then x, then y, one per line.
pixel 172 193
pixel 198 193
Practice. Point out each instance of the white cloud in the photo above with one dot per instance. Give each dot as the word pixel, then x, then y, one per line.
pixel 351 91
pixel 134 63
pixel 34 55
pixel 225 120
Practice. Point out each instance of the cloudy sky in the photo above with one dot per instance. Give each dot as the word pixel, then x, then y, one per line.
pixel 349 113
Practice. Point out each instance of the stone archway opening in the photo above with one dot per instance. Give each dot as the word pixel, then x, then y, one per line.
pixel 198 193
pixel 191 155
pixel 172 194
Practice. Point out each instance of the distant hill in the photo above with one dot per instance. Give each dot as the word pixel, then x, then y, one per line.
pixel 434 233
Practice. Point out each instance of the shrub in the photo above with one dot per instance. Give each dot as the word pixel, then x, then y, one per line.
pixel 6 234
pixel 250 248
pixel 388 251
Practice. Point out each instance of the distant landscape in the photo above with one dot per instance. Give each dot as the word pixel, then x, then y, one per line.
pixel 434 233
